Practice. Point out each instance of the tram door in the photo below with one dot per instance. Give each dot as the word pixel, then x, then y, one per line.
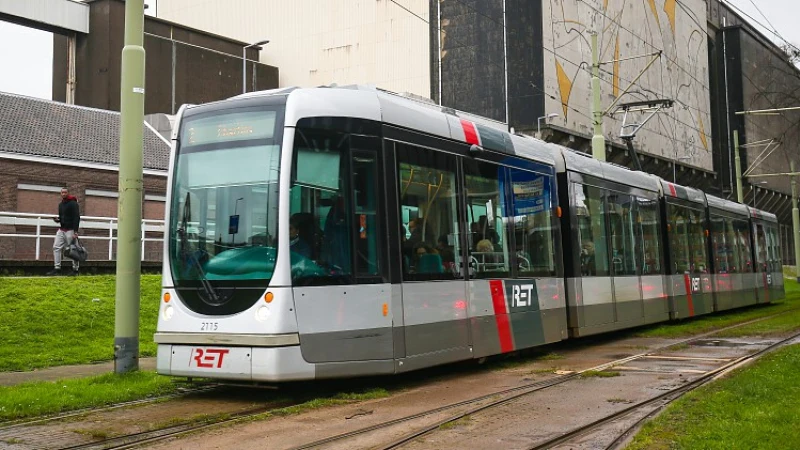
pixel 434 296
pixel 622 221
pixel 338 250
pixel 763 275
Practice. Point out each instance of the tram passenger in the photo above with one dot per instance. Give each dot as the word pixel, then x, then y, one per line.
pixel 427 260
pixel 587 258
pixel 447 254
pixel 296 243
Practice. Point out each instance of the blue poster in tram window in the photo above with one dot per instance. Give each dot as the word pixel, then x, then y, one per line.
pixel 531 192
pixel 233 225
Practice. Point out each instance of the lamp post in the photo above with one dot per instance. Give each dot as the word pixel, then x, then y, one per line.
pixel 244 61
pixel 539 123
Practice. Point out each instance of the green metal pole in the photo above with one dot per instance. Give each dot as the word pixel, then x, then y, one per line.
pixel 129 255
pixel 598 140
pixel 739 194
pixel 795 224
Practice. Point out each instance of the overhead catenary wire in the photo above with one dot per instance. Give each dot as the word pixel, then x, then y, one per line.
pixel 582 66
pixel 752 19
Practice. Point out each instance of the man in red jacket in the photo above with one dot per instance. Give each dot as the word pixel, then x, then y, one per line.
pixel 69 217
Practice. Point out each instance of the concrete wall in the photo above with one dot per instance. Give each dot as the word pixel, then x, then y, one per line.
pixel 631 29
pixel 318 42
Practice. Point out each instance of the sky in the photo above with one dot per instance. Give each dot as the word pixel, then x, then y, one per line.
pixel 34 77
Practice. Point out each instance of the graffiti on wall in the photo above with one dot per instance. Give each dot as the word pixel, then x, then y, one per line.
pixel 626 30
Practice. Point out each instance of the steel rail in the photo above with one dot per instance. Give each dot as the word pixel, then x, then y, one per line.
pixel 134 440
pixel 669 396
pixel 527 389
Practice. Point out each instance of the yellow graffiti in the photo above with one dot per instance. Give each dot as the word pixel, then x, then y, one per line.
pixel 655 11
pixel 669 8
pixel 565 85
pixel 703 137
pixel 605 4
pixel 616 68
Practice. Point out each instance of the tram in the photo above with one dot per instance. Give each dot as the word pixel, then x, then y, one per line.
pixel 349 231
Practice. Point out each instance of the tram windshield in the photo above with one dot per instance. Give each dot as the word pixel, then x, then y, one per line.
pixel 224 210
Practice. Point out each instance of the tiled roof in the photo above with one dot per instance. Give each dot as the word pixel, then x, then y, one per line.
pixel 36 127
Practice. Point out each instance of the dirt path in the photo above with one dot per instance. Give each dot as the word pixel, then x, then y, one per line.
pixel 63 372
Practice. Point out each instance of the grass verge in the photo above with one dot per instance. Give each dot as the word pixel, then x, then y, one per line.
pixel 756 407
pixel 67 320
pixel 46 398
pixel 704 324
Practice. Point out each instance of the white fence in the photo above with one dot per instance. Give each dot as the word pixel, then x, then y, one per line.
pixel 41 226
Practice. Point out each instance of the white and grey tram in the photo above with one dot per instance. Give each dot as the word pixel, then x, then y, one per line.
pixel 336 232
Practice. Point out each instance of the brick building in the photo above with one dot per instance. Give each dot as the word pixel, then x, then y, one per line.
pixel 46 145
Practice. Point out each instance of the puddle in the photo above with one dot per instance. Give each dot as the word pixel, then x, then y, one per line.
pixel 718 343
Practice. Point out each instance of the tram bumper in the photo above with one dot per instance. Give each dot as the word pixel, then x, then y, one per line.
pixel 228 362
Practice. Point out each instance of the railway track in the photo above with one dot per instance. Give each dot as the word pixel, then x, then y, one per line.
pixel 460 409
pixel 487 402
pixel 659 400
pixel 135 440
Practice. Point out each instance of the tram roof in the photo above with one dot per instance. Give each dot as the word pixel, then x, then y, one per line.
pixel 585 164
pixel 727 205
pixel 682 192
pixel 411 112
pixel 422 114
pixel 763 215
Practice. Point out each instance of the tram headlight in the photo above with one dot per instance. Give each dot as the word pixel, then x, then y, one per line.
pixel 168 312
pixel 263 313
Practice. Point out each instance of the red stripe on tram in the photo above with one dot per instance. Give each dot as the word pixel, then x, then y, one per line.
pixel 470 133
pixel 501 315
pixel 672 190
pixel 688 282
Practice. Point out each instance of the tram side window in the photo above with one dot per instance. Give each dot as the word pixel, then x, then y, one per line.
pixel 428 206
pixel 679 238
pixel 486 212
pixel 774 247
pixel 698 252
pixel 732 247
pixel 365 190
pixel 776 250
pixel 320 227
pixel 723 255
pixel 534 223
pixel 742 230
pixel 651 236
pixel 621 213
pixel 589 206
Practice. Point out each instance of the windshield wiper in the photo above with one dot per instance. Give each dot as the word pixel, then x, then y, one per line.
pixel 213 297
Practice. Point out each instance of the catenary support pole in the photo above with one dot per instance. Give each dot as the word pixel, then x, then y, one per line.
pixel 598 140
pixel 795 224
pixel 739 194
pixel 126 329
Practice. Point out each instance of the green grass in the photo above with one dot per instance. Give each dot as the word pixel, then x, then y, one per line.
pixel 57 321
pixel 704 324
pixel 600 374
pixel 45 398
pixel 756 407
